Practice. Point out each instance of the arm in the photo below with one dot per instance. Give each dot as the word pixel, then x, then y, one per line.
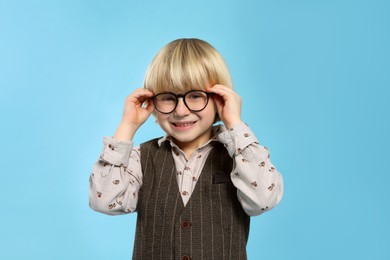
pixel 259 185
pixel 117 176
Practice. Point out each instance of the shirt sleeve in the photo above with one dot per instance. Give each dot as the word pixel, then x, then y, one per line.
pixel 116 178
pixel 259 185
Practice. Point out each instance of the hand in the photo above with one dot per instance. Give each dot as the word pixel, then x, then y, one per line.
pixel 135 113
pixel 228 105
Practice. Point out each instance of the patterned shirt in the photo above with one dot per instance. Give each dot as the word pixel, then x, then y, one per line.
pixel 118 172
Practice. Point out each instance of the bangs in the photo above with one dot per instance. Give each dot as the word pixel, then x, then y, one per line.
pixel 184 65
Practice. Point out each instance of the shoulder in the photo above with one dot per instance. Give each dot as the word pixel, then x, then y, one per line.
pixel 151 151
pixel 155 140
pixel 151 144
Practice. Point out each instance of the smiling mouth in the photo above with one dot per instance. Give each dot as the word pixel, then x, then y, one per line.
pixel 183 124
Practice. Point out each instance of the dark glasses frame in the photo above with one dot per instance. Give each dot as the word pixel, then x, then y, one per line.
pixel 183 96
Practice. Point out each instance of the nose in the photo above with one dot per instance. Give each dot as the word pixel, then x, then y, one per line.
pixel 181 108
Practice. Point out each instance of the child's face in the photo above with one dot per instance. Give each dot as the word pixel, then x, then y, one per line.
pixel 187 128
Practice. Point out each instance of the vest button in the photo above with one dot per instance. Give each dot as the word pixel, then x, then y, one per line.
pixel 185 224
pixel 185 257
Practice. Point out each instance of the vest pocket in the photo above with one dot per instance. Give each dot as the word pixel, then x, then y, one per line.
pixel 221 177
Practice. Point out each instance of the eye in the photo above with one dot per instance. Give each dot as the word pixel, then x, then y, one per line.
pixel 196 95
pixel 166 98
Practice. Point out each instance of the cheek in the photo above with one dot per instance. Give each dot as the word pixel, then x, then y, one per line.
pixel 210 111
pixel 161 119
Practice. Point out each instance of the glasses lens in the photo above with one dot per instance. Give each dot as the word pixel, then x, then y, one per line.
pixel 165 102
pixel 196 100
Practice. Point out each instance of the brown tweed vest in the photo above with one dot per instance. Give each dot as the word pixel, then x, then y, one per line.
pixel 212 225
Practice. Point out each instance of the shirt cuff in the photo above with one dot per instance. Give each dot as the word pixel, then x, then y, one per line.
pixel 237 138
pixel 116 152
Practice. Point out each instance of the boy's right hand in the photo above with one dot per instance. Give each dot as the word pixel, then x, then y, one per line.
pixel 134 113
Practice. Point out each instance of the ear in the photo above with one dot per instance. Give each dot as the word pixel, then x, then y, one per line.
pixel 154 115
pixel 216 118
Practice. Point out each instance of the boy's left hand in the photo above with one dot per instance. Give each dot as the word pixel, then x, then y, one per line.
pixel 228 105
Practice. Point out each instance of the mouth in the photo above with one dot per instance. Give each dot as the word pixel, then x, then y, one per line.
pixel 183 124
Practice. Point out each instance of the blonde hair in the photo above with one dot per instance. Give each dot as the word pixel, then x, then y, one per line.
pixel 186 64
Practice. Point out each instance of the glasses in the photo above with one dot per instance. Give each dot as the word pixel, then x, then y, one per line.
pixel 195 101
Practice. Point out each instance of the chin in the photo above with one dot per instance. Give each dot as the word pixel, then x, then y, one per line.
pixel 182 139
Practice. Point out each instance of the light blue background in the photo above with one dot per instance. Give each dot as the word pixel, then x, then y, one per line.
pixel 314 77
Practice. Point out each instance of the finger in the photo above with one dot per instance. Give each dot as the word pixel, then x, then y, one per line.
pixel 143 93
pixel 218 100
pixel 147 103
pixel 222 87
pixel 222 91
pixel 150 107
pixel 139 96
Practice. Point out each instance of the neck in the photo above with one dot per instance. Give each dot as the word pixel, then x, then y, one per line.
pixel 189 147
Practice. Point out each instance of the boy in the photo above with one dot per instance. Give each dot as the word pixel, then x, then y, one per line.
pixel 195 189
